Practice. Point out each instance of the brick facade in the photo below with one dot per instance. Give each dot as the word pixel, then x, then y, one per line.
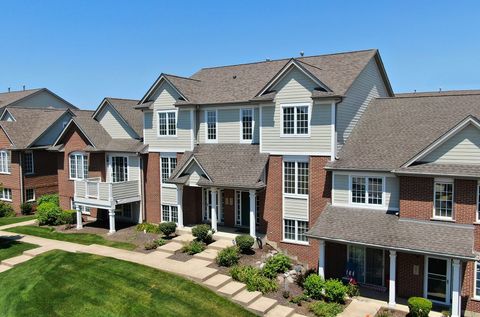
pixel 152 187
pixel 416 197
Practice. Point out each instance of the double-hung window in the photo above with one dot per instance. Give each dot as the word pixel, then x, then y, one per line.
pixel 119 169
pixel 295 119
pixel 4 162
pixel 167 123
pixel 367 190
pixel 30 194
pixel 78 166
pixel 443 206
pixel 294 230
pixel 477 280
pixel 211 122
pixel 246 116
pixel 169 163
pixel 6 194
pixel 295 175
pixel 28 162
pixel 170 213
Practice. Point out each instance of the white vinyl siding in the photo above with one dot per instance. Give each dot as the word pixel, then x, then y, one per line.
pixel 368 85
pixel 5 162
pixel 42 99
pixel 295 208
pixel 114 124
pixel 461 148
pixel 169 195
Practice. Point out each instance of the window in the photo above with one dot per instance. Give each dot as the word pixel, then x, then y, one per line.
pixel 170 213
pixel 169 163
pixel 30 194
pixel 211 119
pixel 167 123
pixel 367 190
pixel 477 280
pixel 124 210
pixel 28 162
pixel 295 175
pixel 4 162
pixel 119 169
pixel 6 194
pixel 247 124
pixel 84 209
pixel 294 230
pixel 78 166
pixel 295 120
pixel 443 200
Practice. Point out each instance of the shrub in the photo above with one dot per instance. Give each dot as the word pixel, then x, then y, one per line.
pixel 353 290
pixel 50 198
pixel 67 217
pixel 26 208
pixel 228 257
pixel 150 245
pixel 193 247
pixel 335 291
pixel 244 243
pixel 419 306
pixel 49 214
pixel 279 263
pixel 299 299
pixel 167 228
pixel 314 286
pixel 446 313
pixel 6 210
pixel 159 242
pixel 148 227
pixel 203 233
pixel 384 313
pixel 241 273
pixel 323 309
pixel 254 279
pixel 302 276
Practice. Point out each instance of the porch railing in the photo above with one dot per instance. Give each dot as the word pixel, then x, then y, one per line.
pixel 93 189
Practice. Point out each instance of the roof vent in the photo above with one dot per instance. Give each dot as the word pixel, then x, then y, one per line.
pixel 23 87
pixel 302 53
pixel 439 89
pixel 8 89
pixel 234 76
pixel 267 59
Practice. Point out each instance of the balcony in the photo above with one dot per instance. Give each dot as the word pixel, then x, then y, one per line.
pixel 95 193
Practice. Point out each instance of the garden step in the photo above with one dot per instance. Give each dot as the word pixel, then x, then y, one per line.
pixel 184 237
pixel 280 311
pixel 203 273
pixel 37 251
pixel 231 288
pixel 3 268
pixel 217 280
pixel 245 297
pixel 297 315
pixel 208 254
pixel 262 305
pixel 197 263
pixel 16 260
pixel 220 244
pixel 170 247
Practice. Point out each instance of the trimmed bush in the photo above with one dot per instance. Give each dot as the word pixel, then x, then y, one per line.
pixel 167 228
pixel 67 217
pixel 203 233
pixel 193 247
pixel 244 243
pixel 419 306
pixel 148 227
pixel 50 198
pixel 48 213
pixel 302 276
pixel 313 286
pixel 253 278
pixel 159 242
pixel 6 210
pixel 323 309
pixel 26 208
pixel 242 272
pixel 279 263
pixel 335 291
pixel 150 245
pixel 228 257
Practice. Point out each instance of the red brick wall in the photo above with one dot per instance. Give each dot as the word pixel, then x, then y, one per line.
pixel 320 189
pixel 465 201
pixel 407 283
pixel 468 278
pixel 12 181
pixel 152 187
pixel 45 179
pixel 416 197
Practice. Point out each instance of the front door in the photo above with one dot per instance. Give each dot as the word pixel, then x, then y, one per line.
pixel 437 280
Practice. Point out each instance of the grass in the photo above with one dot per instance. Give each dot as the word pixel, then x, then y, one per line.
pixel 9 220
pixel 10 248
pixel 59 283
pixel 81 238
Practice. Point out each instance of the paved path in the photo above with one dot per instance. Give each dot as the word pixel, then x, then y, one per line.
pixel 361 308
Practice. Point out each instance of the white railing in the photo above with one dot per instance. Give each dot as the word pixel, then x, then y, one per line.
pixel 95 189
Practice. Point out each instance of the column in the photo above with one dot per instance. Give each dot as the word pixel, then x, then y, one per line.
pixel 253 212
pixel 111 220
pixel 321 259
pixel 213 193
pixel 456 307
pixel 180 205
pixel 79 217
pixel 391 284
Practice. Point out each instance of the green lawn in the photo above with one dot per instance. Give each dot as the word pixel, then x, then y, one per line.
pixel 59 283
pixel 82 238
pixel 10 248
pixel 10 220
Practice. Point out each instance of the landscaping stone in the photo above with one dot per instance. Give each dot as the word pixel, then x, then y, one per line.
pixel 280 311
pixel 262 305
pixel 217 280
pixel 16 260
pixel 170 247
pixel 245 297
pixel 208 254
pixel 220 244
pixel 231 288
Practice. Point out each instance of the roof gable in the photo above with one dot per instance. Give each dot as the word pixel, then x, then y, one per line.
pixel 162 78
pixel 44 95
pixel 7 116
pixel 71 125
pixel 113 121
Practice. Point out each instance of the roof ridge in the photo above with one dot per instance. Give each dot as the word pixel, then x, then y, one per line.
pixel 432 96
pixel 181 77
pixel 26 90
pixel 115 98
pixel 36 108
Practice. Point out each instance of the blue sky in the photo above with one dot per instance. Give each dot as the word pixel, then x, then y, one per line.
pixel 86 50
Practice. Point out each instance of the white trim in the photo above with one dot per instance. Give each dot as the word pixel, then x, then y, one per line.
pixel 242 140
pixel 33 164
pixel 448 278
pixel 207 140
pixel 6 164
pixel 107 102
pixel 77 153
pixel 2 117
pixel 187 164
pixel 477 217
pixel 434 216
pixel 66 128
pixel 110 166
pixel 286 153
pixel 156 84
pixel 381 206
pixel 167 155
pixel 168 135
pixel 475 295
pixel 295 241
pixel 34 197
pixel 363 173
pixel 295 106
pixel 365 247
pixel 2 193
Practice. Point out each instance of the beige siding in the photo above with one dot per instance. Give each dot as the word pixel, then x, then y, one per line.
pixel 392 193
pixel 54 131
pixel 169 195
pixel 195 173
pixel 125 190
pixel 133 168
pixel 295 208
pixel 42 100
pixel 367 86
pixel 340 189
pixel 461 148
pixel 165 97
pixel 296 87
pixel 114 125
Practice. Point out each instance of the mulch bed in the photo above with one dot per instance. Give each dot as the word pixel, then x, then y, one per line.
pixel 180 256
pixel 391 312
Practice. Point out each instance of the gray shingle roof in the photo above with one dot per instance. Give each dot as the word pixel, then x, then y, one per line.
pixel 126 108
pixel 378 228
pixel 394 130
pixel 433 169
pixel 7 98
pixel 227 165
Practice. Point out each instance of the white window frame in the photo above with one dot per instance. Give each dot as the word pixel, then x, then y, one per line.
pixel 77 154
pixel 127 170
pixel 207 140
pixel 475 295
pixel 295 134
pixel 295 160
pixel 444 181
pixel 168 134
pixel 2 193
pixel 32 171
pixel 242 139
pixel 168 156
pixel 170 218
pixel 350 191
pixel 5 155
pixel 33 190
pixel 296 240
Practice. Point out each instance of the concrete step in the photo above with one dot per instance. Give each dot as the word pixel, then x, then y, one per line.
pixel 220 244
pixel 203 274
pixel 232 288
pixel 208 254
pixel 37 251
pixel 245 297
pixel 262 305
pixel 16 260
pixel 170 247
pixel 218 281
pixel 184 237
pixel 280 311
pixel 4 268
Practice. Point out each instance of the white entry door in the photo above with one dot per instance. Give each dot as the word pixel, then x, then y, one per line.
pixel 437 280
pixel 207 205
